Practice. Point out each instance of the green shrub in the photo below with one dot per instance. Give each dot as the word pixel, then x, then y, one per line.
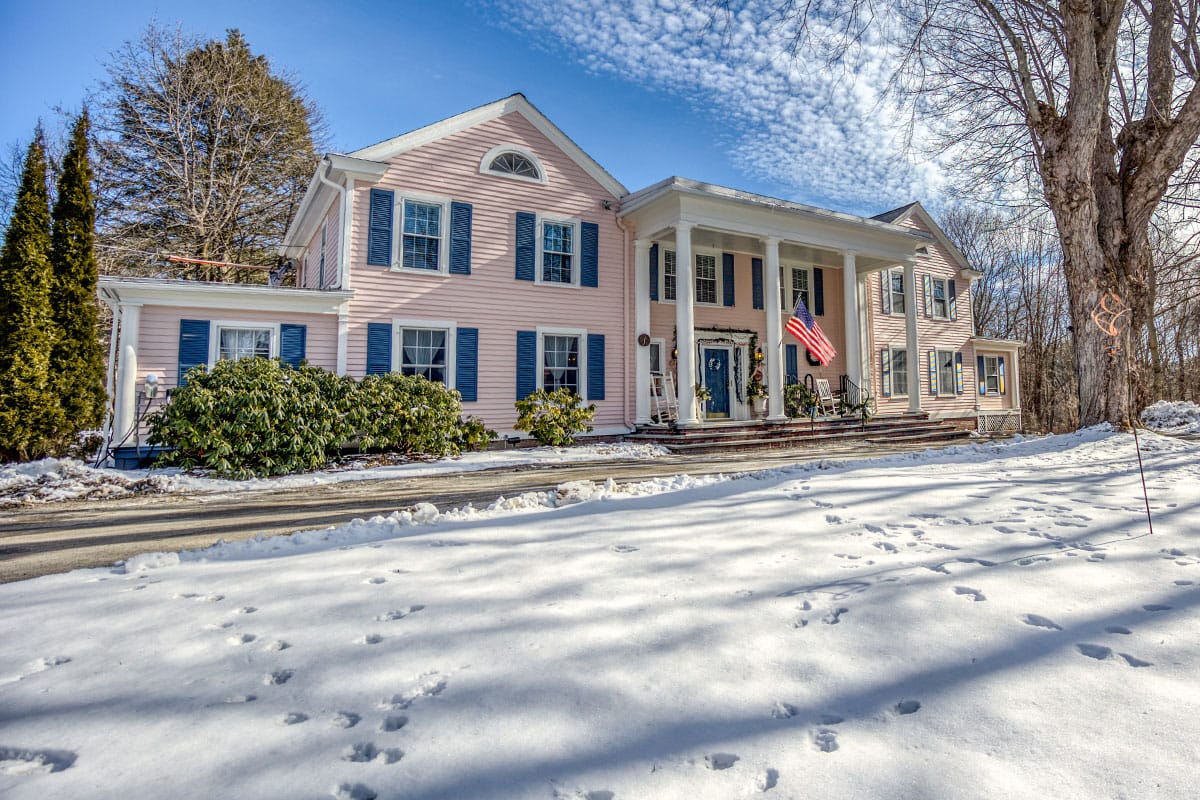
pixel 414 416
pixel 254 417
pixel 799 401
pixel 554 418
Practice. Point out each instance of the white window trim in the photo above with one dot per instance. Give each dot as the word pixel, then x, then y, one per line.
pixel 576 266
pixel 214 339
pixel 696 251
pixel 786 299
pixel 953 373
pixel 933 281
pixel 451 329
pixel 398 238
pixel 886 275
pixel 485 163
pixel 541 355
pixel 982 379
pixel 893 349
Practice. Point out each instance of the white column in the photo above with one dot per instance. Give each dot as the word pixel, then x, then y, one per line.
pixel 343 338
pixel 125 403
pixel 773 346
pixel 853 354
pixel 910 329
pixel 685 326
pixel 641 325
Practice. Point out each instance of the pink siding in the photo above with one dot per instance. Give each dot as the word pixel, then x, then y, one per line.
pixel 490 298
pixel 310 261
pixel 889 330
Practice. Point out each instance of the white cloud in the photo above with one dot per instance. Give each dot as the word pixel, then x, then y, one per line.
pixel 830 136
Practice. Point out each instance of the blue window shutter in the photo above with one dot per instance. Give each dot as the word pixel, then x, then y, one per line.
pixel 885 287
pixel 595 366
pixel 460 238
pixel 466 364
pixel 885 372
pixel 379 348
pixel 727 279
pixel 818 292
pixel 950 301
pixel 1001 370
pixel 980 378
pixel 933 373
pixel 292 343
pixel 792 372
pixel 756 280
pixel 526 363
pixel 526 245
pixel 379 227
pixel 193 346
pixel 928 287
pixel 958 373
pixel 654 272
pixel 589 254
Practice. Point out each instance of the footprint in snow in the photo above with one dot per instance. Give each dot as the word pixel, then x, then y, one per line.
pixel 1156 607
pixel 241 698
pixel 834 519
pixel 1038 621
pixel 623 548
pixel 719 761
pixel 767 779
pixel 218 626
pixel 937 568
pixel 944 546
pixel 376 580
pixel 1121 629
pixel 345 719
pixel 16 761
pixel 246 610
pixel 834 616
pixel 783 710
pixel 981 562
pixel 1134 661
pixel 276 646
pixel 430 687
pixel 1005 529
pixel 400 613
pixel 357 791
pixel 886 547
pixel 1184 583
pixel 1025 562
pixel 293 718
pixel 365 752
pixel 967 591
pixel 241 638
pixel 847 556
pixel 825 740
pixel 1096 651
pixel 369 638
pixel 905 707
pixel 393 723
pixel 278 678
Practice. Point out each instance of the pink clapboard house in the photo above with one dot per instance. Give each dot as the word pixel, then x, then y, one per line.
pixel 489 252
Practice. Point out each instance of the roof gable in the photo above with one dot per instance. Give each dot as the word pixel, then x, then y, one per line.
pixel 897 215
pixel 515 103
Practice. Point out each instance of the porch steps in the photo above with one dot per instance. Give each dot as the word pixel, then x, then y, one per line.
pixel 908 428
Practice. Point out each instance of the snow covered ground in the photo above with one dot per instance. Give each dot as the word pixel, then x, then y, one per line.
pixel 1177 417
pixel 52 479
pixel 986 621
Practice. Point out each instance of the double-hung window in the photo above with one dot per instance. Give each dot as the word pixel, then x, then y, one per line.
pixel 423 351
pixel 558 252
pixel 706 279
pixel 895 289
pixel 793 287
pixel 991 374
pixel 899 367
pixel 422 241
pixel 656 355
pixel 235 342
pixel 669 275
pixel 947 383
pixel 560 362
pixel 941 307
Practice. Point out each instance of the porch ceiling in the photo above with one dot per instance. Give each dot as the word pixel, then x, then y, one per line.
pixel 730 242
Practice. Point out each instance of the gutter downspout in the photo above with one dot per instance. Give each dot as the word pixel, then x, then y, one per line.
pixel 341 190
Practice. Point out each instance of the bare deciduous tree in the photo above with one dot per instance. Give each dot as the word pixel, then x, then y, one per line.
pixel 203 150
pixel 1094 103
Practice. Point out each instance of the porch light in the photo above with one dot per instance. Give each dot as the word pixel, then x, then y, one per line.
pixel 758 354
pixel 674 353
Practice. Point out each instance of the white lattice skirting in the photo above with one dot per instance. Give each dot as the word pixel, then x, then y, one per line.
pixel 994 422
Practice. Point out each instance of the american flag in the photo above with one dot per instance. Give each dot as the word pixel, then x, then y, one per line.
pixel 805 328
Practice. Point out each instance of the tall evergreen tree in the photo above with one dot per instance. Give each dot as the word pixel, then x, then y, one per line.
pixel 76 362
pixel 29 410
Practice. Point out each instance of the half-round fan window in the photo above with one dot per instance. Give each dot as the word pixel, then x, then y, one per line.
pixel 510 163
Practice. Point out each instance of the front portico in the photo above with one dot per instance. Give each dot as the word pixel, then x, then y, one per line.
pixel 717 268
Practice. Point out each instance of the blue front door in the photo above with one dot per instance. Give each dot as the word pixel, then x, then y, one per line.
pixel 716 378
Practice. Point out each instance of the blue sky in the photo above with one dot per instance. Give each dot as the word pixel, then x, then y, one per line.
pixel 647 87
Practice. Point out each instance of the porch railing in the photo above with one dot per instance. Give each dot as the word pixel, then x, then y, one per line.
pixel 856 399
